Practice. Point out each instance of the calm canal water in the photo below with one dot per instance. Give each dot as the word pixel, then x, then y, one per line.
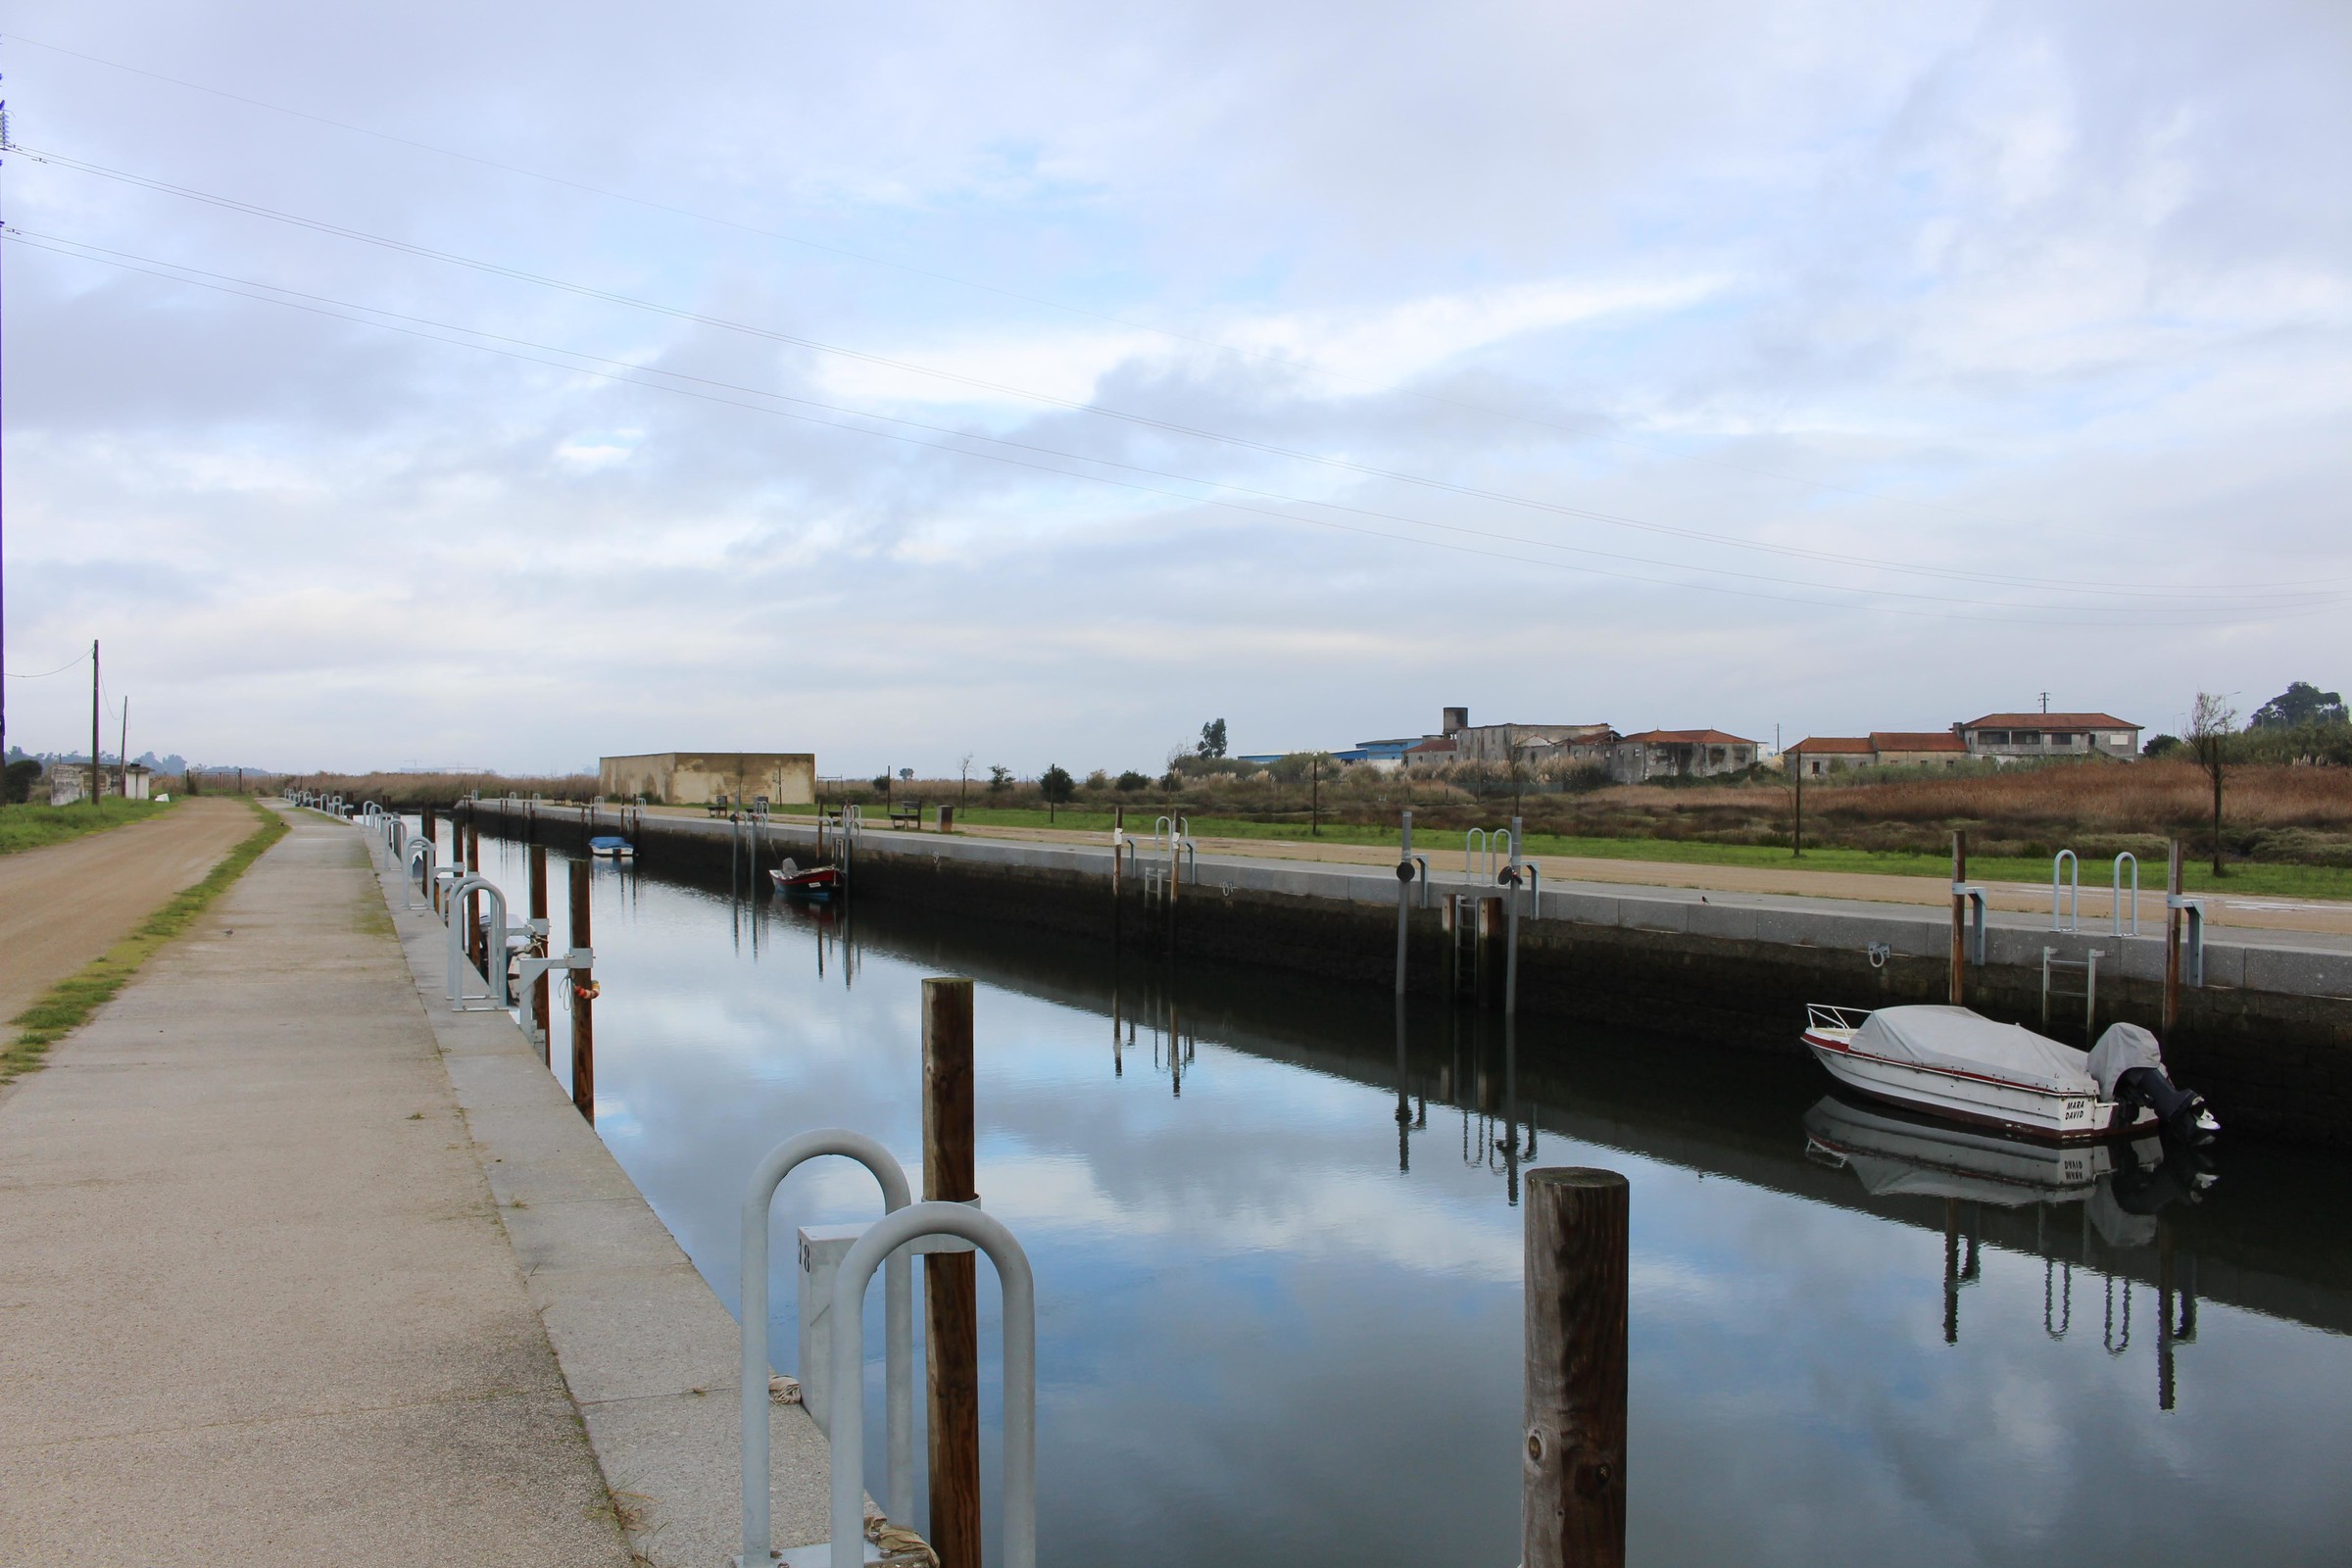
pixel 1280 1279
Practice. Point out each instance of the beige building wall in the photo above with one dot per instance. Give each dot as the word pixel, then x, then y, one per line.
pixel 696 778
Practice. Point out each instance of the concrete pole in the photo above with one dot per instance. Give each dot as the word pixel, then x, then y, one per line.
pixel 1573 1476
pixel 583 1002
pixel 94 775
pixel 2172 937
pixel 1959 986
pixel 950 1281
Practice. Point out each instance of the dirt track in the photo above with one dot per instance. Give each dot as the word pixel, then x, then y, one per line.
pixel 64 904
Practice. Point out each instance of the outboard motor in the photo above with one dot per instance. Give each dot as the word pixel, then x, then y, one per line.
pixel 2130 1072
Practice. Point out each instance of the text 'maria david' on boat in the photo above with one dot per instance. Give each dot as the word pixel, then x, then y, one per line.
pixel 1958 1064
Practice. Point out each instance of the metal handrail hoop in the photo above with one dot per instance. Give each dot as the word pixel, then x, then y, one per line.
pixel 1019 1286
pixel 2059 863
pixel 2117 902
pixel 898 1328
pixel 495 955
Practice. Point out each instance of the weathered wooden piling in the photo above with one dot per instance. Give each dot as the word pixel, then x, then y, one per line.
pixel 547 941
pixel 950 1280
pixel 476 943
pixel 583 1002
pixel 1573 1480
pixel 1959 986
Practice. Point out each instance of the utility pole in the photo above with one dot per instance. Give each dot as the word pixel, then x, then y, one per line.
pixel 93 723
pixel 2045 702
pixel 122 753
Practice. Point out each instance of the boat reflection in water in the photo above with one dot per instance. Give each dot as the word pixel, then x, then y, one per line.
pixel 2122 1189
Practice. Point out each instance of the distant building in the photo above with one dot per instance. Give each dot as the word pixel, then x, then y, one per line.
pixel 1829 754
pixel 1506 743
pixel 2017 737
pixel 1882 748
pixel 134 781
pixel 1439 750
pixel 1679 754
pixel 697 778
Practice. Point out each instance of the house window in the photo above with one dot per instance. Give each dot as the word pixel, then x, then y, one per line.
pixel 1992 737
pixel 2024 737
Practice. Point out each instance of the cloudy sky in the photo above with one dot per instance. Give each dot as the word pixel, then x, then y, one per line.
pixel 508 386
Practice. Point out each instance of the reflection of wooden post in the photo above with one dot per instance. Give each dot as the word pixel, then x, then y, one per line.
pixel 2164 1314
pixel 950 1281
pixel 1573 1478
pixel 583 1002
pixel 539 1014
pixel 1951 1271
pixel 1959 988
pixel 2171 939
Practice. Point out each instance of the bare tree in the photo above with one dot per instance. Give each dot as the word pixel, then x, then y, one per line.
pixel 2212 727
pixel 964 787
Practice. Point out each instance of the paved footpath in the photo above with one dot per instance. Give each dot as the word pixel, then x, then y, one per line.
pixel 63 904
pixel 256 1303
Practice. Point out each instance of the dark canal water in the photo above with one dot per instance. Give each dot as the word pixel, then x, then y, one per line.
pixel 1280 1280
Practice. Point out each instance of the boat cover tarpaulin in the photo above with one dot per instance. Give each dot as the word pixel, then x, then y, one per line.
pixel 2124 1047
pixel 1957 1040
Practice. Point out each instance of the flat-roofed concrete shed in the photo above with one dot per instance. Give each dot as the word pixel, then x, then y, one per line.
pixel 697 778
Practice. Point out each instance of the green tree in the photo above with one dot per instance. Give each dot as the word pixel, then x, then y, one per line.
pixel 999 779
pixel 1212 738
pixel 2301 702
pixel 19 780
pixel 1131 781
pixel 1056 786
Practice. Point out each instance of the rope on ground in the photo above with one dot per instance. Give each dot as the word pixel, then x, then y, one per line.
pixel 901 1547
pixel 782 1389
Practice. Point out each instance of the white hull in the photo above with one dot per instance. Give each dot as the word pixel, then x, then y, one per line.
pixel 1971 1096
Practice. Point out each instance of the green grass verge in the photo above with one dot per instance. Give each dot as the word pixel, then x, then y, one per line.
pixel 30 826
pixel 68 1004
pixel 2255 879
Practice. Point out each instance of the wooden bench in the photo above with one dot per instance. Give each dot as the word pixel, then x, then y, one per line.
pixel 718 808
pixel 909 815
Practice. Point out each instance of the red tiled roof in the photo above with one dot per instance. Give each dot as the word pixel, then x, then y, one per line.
pixel 1905 740
pixel 1442 743
pixel 1838 744
pixel 1690 737
pixel 2049 721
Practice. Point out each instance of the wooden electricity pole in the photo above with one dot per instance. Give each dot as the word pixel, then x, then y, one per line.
pixel 950 1280
pixel 94 722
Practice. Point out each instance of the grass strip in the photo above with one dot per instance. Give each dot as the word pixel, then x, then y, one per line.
pixel 31 825
pixel 68 1004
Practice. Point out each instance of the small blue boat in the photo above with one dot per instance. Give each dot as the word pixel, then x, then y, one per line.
pixel 612 847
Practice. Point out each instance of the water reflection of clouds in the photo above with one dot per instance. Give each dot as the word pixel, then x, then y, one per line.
pixel 1260 1343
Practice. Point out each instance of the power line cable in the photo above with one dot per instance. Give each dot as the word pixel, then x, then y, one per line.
pixel 2311 601
pixel 46 674
pixel 499 270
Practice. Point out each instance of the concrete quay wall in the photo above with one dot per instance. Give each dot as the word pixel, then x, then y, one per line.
pixel 2268 1037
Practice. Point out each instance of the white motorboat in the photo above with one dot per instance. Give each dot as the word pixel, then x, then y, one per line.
pixel 1956 1063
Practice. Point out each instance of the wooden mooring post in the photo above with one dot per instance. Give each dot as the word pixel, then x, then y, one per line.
pixel 539 987
pixel 2171 937
pixel 583 1002
pixel 950 1280
pixel 1572 1500
pixel 1959 986
pixel 476 947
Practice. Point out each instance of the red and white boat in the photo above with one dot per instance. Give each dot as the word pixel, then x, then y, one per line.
pixel 1956 1063
pixel 817 885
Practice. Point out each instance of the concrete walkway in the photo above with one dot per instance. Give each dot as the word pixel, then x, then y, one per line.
pixel 256 1303
pixel 63 904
